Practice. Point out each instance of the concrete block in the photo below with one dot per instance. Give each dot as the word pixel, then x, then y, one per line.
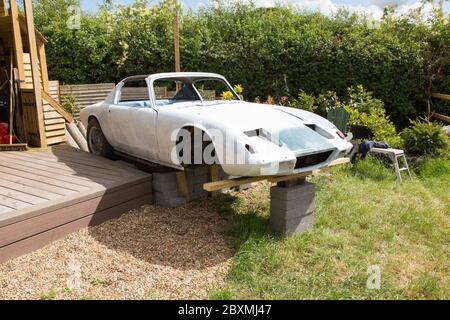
pixel 164 177
pixel 199 192
pixel 301 206
pixel 293 192
pixel 168 186
pixel 294 226
pixel 173 203
pixel 162 200
pixel 201 171
pixel 195 179
pixel 292 208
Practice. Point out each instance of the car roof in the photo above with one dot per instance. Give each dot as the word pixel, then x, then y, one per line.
pixel 175 76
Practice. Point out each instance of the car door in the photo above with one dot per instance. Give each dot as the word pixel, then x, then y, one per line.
pixel 132 121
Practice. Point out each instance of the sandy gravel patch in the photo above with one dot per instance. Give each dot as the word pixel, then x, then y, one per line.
pixel 150 253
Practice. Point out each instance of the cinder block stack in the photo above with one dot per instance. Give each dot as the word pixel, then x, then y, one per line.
pixel 166 190
pixel 292 208
pixel 196 177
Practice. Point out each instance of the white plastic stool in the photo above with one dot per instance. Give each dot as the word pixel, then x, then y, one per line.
pixel 397 157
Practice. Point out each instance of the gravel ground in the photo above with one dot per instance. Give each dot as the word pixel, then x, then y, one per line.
pixel 150 253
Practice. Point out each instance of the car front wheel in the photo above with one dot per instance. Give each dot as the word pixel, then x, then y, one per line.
pixel 97 142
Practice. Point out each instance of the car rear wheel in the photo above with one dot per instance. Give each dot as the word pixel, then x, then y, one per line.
pixel 97 142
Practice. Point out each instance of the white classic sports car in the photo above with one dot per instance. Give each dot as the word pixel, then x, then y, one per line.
pixel 180 119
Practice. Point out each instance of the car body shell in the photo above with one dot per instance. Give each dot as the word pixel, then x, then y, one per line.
pixel 148 131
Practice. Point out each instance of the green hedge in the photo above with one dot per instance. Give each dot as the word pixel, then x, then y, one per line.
pixel 269 51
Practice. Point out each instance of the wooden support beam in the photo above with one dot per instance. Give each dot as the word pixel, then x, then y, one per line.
pixel 182 184
pixel 441 96
pixel 18 46
pixel 58 108
pixel 2 8
pixel 228 184
pixel 215 176
pixel 43 64
pixel 40 39
pixel 35 70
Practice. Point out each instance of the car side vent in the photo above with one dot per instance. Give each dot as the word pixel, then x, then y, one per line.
pixel 320 131
pixel 312 160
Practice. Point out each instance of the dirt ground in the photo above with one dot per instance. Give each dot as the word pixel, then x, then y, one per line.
pixel 150 253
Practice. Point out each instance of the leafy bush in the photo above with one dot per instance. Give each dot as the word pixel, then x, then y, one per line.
pixel 363 101
pixel 70 104
pixel 425 138
pixel 304 101
pixel 379 123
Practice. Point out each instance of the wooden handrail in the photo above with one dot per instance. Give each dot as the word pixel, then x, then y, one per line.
pixel 58 108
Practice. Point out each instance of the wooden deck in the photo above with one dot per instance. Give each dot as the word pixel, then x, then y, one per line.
pixel 45 195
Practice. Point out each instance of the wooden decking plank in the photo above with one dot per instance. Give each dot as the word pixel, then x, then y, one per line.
pixel 12 203
pixel 41 178
pixel 72 152
pixel 37 224
pixel 27 198
pixel 69 165
pixel 4 209
pixel 37 184
pixel 40 240
pixel 73 182
pixel 84 161
pixel 67 201
pixel 29 190
pixel 87 175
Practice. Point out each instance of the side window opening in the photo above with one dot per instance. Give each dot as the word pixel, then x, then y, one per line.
pixel 169 91
pixel 135 94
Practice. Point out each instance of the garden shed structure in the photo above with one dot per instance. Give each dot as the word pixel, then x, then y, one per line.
pixel 39 119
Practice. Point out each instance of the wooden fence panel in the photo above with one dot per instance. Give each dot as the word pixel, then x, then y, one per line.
pixel 86 95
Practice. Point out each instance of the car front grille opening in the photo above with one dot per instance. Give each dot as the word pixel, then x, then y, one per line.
pixel 312 160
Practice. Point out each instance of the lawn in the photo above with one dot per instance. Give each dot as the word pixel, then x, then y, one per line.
pixel 363 218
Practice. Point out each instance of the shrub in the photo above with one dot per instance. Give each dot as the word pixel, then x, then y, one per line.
pixel 365 110
pixel 362 100
pixel 425 138
pixel 378 122
pixel 70 104
pixel 304 101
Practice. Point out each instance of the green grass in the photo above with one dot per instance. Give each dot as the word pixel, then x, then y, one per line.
pixel 363 218
pixel 49 295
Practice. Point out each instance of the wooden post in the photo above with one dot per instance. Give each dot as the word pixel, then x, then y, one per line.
pixel 35 70
pixel 182 184
pixel 44 71
pixel 176 39
pixel 215 176
pixel 17 39
pixel 2 8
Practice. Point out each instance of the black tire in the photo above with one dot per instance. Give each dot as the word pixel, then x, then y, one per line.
pixel 97 142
